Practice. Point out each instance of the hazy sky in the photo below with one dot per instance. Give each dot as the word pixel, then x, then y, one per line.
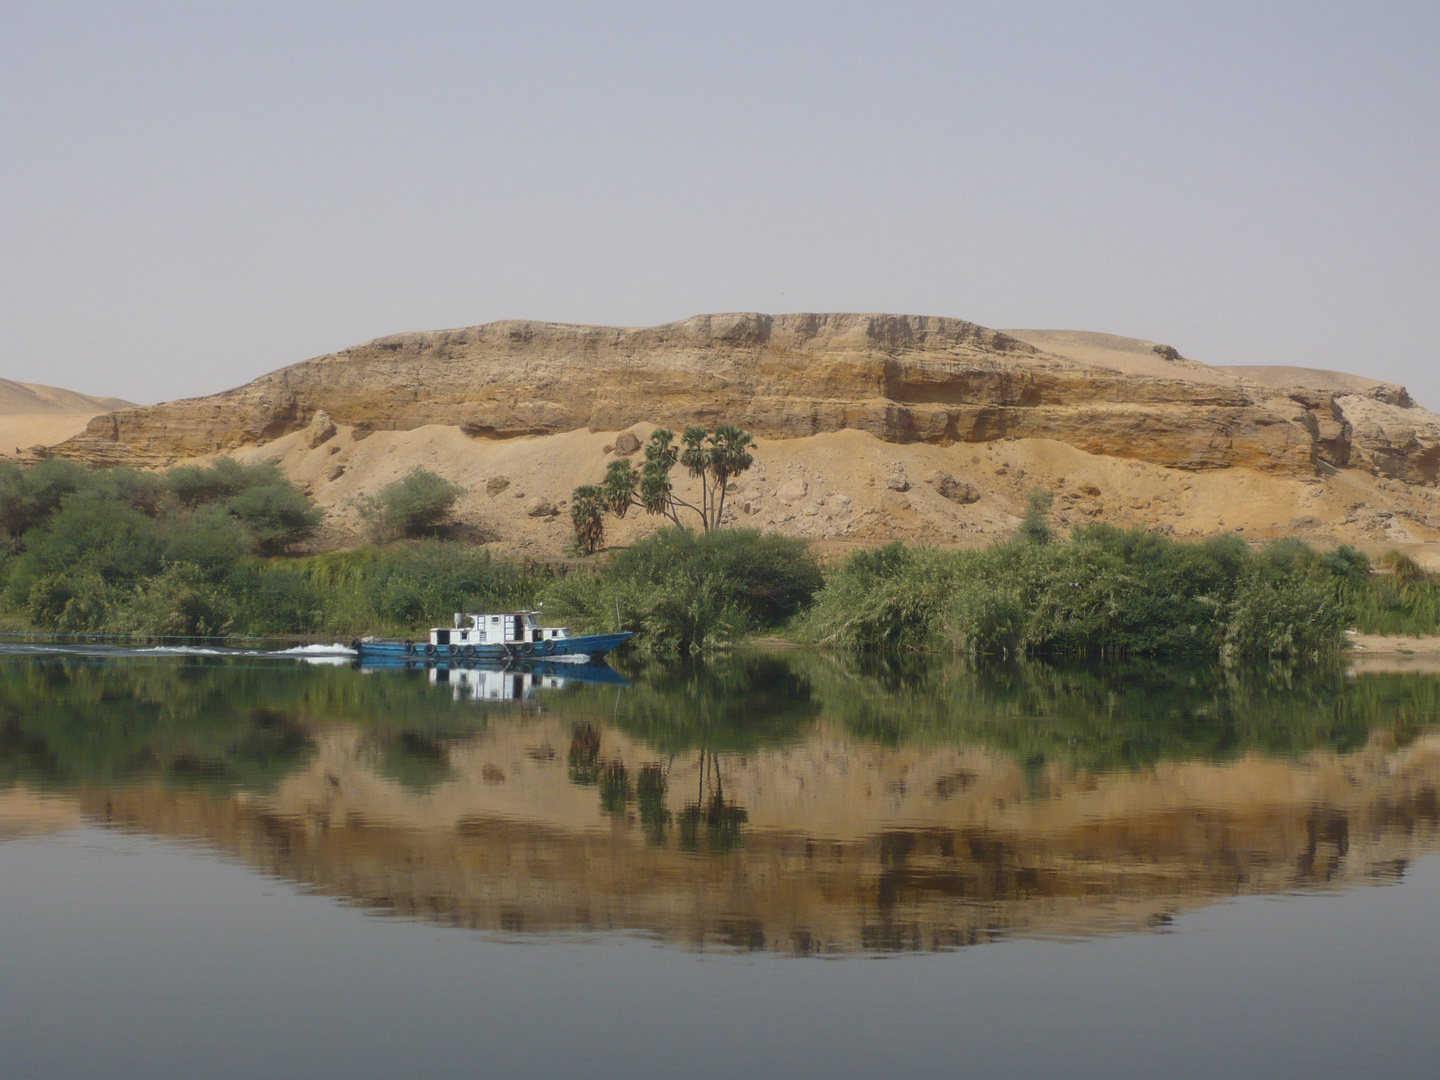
pixel 194 194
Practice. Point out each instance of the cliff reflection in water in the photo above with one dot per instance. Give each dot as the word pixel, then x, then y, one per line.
pixel 783 801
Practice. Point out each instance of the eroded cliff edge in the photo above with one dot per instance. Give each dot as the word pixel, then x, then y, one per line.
pixel 913 385
pixel 901 378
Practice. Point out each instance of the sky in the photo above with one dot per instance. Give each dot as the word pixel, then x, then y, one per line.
pixel 192 195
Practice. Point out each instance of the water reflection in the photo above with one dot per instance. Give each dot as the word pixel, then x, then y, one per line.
pixel 789 801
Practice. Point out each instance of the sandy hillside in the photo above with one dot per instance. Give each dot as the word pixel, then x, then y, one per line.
pixel 1133 356
pixel 1285 377
pixel 871 427
pixel 33 415
pixel 19 434
pixel 32 399
pixel 850 488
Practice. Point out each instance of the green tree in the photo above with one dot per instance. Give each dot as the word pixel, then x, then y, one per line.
pixel 276 515
pixel 28 497
pixel 1035 527
pixel 713 458
pixel 587 515
pixel 418 504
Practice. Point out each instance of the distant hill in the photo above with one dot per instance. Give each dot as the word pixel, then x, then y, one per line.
pixel 32 415
pixel 32 399
pixel 871 428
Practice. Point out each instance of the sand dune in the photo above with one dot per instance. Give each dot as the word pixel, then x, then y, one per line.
pixel 34 415
pixel 32 399
pixel 20 433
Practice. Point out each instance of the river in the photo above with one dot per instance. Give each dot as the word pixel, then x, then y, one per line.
pixel 773 863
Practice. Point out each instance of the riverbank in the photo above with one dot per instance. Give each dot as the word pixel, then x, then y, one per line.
pixel 1376 653
pixel 212 552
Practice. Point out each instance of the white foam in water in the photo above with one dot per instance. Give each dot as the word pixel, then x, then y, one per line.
pixel 336 653
pixel 181 650
pixel 336 649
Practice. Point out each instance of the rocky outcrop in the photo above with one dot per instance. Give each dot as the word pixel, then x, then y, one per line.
pixel 900 378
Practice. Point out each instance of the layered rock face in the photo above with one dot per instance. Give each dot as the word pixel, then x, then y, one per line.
pixel 903 379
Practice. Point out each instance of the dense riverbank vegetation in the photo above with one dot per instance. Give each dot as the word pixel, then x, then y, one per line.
pixel 683 591
pixel 198 551
pixel 1104 591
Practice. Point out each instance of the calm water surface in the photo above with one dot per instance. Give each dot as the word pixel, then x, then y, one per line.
pixel 776 864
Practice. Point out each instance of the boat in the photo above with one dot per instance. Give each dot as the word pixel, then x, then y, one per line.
pixel 508 637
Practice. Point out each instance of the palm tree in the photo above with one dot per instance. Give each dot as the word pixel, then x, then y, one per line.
pixel 587 514
pixel 618 489
pixel 712 458
pixel 729 455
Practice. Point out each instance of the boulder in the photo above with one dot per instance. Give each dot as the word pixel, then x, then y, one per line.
pixel 542 508
pixel 321 429
pixel 496 484
pixel 960 491
pixel 627 444
pixel 792 490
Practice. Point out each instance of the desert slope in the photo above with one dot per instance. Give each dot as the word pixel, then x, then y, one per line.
pixel 871 426
pixel 33 416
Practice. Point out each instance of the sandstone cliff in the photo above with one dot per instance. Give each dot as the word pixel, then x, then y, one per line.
pixel 918 390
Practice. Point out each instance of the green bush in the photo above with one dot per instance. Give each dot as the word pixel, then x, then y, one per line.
pixel 273 513
pixel 29 496
pixel 1035 526
pixel 1404 599
pixel 418 504
pixel 277 598
pixel 121 551
pixel 407 588
pixel 276 515
pixel 71 604
pixel 181 600
pixel 1105 591
pixel 681 591
pixel 887 598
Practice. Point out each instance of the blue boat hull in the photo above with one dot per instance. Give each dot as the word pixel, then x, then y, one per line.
pixel 585 647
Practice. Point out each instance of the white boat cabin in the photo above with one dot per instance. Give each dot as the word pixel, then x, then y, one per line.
pixel 513 628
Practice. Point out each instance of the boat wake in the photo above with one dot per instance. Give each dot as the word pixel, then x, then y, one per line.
pixel 336 653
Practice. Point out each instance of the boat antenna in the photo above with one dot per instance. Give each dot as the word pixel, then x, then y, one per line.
pixel 617 613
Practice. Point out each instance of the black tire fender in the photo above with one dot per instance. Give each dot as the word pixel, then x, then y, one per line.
pixel 409 648
pixel 429 650
pixel 526 648
pixel 548 646
pixel 469 652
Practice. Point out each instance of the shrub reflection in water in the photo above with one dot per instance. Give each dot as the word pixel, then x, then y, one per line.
pixel 796 800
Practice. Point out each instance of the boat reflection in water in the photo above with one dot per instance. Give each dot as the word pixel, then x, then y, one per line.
pixel 788 802
pixel 506 682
